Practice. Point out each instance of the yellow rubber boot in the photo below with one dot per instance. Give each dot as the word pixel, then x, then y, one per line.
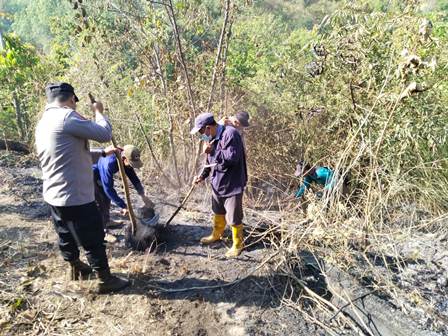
pixel 219 225
pixel 238 244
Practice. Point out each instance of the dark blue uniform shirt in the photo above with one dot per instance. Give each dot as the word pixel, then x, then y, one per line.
pixel 105 169
pixel 229 176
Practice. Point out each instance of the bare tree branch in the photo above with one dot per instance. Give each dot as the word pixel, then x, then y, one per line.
pixel 180 54
pixel 19 115
pixel 168 111
pixel 164 84
pixel 224 68
pixel 151 151
pixel 218 53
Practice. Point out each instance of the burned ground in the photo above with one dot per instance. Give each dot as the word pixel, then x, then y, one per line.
pixel 180 287
pixel 36 296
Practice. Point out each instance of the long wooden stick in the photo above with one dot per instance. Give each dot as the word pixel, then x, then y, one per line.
pixel 189 192
pixel 181 204
pixel 123 180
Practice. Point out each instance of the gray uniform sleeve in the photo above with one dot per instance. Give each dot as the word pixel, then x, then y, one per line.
pixel 100 130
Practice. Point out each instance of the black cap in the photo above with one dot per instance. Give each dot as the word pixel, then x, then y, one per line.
pixel 54 89
pixel 243 118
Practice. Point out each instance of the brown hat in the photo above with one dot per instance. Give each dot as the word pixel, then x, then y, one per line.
pixel 132 153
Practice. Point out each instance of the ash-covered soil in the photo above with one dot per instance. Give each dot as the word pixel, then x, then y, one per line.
pixel 182 288
pixel 36 296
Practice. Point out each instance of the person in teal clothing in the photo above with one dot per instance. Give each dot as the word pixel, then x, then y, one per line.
pixel 319 175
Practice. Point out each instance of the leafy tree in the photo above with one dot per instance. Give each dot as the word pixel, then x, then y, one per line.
pixel 17 63
pixel 32 19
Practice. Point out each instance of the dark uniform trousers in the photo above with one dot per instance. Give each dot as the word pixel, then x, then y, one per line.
pixel 101 199
pixel 80 225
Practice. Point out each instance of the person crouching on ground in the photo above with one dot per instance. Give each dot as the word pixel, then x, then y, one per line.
pixel 62 146
pixel 225 150
pixel 319 175
pixel 103 173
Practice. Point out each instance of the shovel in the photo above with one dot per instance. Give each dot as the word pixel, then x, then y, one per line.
pixel 150 230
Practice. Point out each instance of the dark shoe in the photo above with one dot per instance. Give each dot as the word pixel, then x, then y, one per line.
pixel 110 283
pixel 80 270
pixel 114 225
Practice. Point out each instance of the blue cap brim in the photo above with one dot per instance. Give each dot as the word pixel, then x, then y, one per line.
pixel 194 130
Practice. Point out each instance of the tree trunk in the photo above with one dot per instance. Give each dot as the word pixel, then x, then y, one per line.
pixel 180 54
pixel 19 116
pixel 169 113
pixel 218 53
pixel 2 42
pixel 224 69
pixel 14 146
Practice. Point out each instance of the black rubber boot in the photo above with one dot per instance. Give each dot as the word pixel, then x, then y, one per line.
pixel 80 270
pixel 110 283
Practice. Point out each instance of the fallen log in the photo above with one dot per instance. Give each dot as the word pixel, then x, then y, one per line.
pixel 14 146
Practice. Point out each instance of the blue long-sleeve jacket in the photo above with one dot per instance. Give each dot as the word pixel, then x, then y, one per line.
pixel 105 169
pixel 322 176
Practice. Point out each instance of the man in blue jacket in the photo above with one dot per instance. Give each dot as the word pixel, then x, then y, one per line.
pixel 319 175
pixel 227 158
pixel 104 171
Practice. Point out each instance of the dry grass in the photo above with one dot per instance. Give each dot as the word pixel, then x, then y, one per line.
pixel 363 239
